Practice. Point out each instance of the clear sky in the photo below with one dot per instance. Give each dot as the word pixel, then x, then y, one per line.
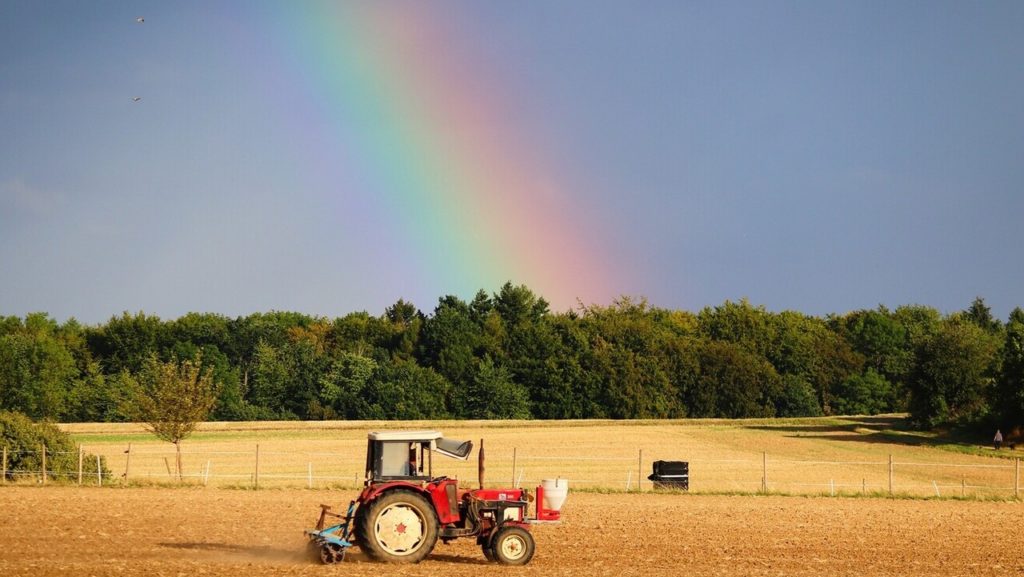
pixel 335 157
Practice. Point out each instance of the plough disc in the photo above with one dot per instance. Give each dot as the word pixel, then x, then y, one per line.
pixel 331 553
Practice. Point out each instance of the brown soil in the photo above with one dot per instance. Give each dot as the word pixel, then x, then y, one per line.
pixel 156 532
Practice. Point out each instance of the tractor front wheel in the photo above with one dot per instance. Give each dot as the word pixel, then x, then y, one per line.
pixel 512 546
pixel 398 527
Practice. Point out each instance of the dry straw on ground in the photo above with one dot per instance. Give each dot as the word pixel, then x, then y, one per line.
pixel 806 456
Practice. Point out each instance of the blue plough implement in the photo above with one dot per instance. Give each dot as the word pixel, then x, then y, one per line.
pixel 333 541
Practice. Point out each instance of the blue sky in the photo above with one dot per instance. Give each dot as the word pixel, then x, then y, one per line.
pixel 815 156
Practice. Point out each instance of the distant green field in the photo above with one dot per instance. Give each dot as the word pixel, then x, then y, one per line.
pixel 830 455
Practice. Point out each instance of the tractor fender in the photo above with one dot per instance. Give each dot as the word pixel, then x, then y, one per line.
pixel 443 494
pixel 372 492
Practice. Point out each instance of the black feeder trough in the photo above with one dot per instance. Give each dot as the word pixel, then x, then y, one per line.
pixel 671 475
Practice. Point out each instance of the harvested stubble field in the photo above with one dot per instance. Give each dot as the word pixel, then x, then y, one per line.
pixel 71 531
pixel 800 456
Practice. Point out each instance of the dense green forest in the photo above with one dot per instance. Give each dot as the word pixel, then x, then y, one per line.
pixel 507 355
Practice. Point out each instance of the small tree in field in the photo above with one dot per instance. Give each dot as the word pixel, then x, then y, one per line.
pixel 171 398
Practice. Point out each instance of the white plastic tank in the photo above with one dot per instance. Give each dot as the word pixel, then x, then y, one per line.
pixel 555 492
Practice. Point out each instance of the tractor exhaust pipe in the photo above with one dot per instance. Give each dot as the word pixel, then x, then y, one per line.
pixel 480 464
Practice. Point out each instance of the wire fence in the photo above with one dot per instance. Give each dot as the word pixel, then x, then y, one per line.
pixel 261 468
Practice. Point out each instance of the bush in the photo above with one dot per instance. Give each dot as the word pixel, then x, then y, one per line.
pixel 24 439
pixel 867 394
pixel 797 399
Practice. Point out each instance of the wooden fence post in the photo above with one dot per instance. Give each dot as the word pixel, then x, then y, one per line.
pixel 890 473
pixel 99 471
pixel 256 477
pixel 43 451
pixel 127 461
pixel 1016 479
pixel 3 471
pixel 80 457
pixel 639 471
pixel 764 471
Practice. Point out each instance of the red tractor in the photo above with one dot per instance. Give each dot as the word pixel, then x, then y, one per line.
pixel 404 509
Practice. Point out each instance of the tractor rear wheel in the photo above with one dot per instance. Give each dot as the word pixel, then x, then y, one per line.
pixel 398 527
pixel 512 546
pixel 359 529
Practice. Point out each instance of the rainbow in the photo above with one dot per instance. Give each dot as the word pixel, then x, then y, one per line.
pixel 404 111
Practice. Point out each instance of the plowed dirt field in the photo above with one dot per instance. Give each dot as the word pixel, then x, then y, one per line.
pixel 78 532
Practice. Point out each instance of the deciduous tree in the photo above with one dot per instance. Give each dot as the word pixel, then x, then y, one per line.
pixel 953 374
pixel 1009 394
pixel 36 370
pixel 172 398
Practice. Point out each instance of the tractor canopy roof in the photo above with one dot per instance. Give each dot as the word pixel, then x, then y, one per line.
pixel 448 447
pixel 405 435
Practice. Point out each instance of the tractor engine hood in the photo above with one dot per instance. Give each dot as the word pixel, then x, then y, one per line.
pixel 454 448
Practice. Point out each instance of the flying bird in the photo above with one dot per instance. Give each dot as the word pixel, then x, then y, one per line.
pixel 140 19
pixel 136 98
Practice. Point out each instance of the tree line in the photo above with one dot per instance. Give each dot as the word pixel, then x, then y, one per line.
pixel 507 356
